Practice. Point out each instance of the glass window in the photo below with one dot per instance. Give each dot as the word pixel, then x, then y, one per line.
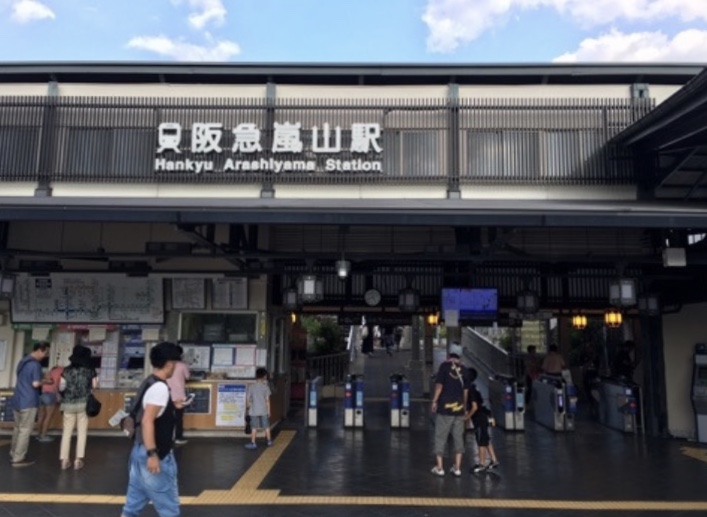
pixel 238 328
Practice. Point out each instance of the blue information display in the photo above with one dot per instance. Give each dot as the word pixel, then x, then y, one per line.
pixel 472 303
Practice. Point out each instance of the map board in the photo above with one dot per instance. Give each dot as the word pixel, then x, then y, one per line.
pixel 87 298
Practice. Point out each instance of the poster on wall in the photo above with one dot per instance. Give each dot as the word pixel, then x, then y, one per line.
pixel 188 293
pixel 197 357
pixel 230 405
pixel 229 293
pixel 87 298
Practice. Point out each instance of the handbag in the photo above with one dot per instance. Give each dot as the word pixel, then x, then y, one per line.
pixel 93 405
pixel 247 429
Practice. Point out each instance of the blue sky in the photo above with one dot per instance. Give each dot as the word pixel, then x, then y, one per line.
pixel 431 31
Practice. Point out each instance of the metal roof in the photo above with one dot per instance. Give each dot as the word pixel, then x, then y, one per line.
pixel 353 73
pixel 405 212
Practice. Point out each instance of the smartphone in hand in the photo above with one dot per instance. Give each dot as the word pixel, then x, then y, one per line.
pixel 190 398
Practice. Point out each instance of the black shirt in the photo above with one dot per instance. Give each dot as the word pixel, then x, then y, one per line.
pixel 454 378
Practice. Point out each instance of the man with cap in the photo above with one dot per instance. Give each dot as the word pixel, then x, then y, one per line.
pixel 153 469
pixel 449 404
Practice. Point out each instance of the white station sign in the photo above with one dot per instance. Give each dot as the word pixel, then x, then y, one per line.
pixel 249 155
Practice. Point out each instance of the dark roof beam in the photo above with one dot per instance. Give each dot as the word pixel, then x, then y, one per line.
pixel 682 160
pixel 695 186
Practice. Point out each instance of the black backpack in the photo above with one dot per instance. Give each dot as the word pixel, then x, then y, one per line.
pixel 130 423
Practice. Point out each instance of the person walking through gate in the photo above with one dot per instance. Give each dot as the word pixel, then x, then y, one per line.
pixel 153 469
pixel 25 402
pixel 449 403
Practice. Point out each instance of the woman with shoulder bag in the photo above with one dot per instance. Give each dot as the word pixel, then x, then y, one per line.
pixel 77 382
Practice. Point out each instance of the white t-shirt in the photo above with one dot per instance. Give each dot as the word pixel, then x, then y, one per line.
pixel 157 395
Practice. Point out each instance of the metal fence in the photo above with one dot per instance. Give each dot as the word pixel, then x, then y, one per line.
pixel 331 368
pixel 246 140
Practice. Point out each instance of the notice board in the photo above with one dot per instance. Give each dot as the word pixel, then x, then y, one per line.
pixel 202 400
pixel 6 412
pixel 87 298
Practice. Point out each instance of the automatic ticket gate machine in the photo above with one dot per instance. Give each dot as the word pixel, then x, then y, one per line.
pixel 699 391
pixel 399 401
pixel 618 404
pixel 311 402
pixel 353 401
pixel 507 402
pixel 555 402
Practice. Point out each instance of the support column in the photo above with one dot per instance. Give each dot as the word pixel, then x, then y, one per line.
pixel 416 367
pixel 654 390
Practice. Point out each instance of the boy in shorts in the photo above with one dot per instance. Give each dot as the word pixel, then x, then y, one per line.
pixel 258 407
pixel 481 418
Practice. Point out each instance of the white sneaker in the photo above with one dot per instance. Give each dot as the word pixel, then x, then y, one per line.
pixel 437 472
pixel 455 472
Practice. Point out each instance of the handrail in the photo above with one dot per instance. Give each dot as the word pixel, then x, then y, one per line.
pixel 331 368
pixel 486 354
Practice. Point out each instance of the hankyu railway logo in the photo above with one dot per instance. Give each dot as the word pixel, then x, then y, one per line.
pixel 249 155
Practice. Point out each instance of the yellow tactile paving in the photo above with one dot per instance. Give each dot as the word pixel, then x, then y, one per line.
pixel 694 452
pixel 246 493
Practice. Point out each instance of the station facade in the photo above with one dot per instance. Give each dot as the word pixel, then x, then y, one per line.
pixel 182 202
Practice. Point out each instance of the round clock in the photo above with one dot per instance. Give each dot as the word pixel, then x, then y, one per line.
pixel 372 297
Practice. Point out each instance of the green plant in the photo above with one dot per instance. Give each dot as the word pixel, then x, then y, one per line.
pixel 325 334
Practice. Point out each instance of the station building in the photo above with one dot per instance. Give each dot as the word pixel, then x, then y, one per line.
pixel 205 203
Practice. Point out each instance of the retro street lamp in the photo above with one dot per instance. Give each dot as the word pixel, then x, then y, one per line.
pixel 408 299
pixel 649 304
pixel 622 292
pixel 343 268
pixel 310 289
pixel 613 318
pixel 527 302
pixel 579 321
pixel 290 299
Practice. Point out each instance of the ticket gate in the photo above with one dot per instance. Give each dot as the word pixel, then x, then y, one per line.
pixel 699 392
pixel 311 402
pixel 555 402
pixel 399 401
pixel 353 401
pixel 618 404
pixel 507 402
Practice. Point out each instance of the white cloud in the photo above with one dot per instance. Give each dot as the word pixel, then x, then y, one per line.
pixel 455 22
pixel 204 12
pixel 687 46
pixel 26 11
pixel 184 51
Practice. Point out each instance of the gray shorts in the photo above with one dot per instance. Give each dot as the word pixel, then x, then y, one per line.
pixel 259 422
pixel 444 425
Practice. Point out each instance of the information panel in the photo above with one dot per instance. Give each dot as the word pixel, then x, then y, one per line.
pixel 202 400
pixel 87 298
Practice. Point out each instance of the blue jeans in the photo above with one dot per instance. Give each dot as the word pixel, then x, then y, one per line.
pixel 143 486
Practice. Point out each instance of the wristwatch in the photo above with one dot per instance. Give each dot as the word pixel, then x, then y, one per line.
pixel 151 453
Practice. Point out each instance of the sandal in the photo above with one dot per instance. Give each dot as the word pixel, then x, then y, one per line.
pixel 65 464
pixel 78 464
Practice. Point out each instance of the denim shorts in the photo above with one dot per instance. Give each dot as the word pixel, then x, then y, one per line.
pixel 48 399
pixel 259 422
pixel 144 486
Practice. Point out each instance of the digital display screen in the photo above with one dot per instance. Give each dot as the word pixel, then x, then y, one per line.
pixel 472 303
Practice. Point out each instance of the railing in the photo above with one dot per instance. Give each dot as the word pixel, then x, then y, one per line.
pixel 331 368
pixel 480 350
pixel 422 141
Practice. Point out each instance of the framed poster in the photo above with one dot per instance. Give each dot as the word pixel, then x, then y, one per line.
pixel 188 293
pixel 230 405
pixel 229 293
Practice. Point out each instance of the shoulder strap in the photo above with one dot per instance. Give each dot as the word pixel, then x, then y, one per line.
pixel 137 403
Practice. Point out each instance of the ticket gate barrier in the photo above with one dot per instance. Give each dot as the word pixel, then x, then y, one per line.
pixel 311 402
pixel 555 402
pixel 353 401
pixel 399 401
pixel 699 392
pixel 507 402
pixel 618 404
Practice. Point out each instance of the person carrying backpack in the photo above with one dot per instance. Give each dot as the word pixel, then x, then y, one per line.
pixel 152 468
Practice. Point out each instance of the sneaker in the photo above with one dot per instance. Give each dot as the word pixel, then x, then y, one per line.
pixel 181 441
pixel 437 472
pixel 23 463
pixel 477 468
pixel 493 465
pixel 269 443
pixel 455 472
pixel 45 439
pixel 250 446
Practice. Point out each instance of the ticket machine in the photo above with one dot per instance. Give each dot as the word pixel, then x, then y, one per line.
pixel 699 391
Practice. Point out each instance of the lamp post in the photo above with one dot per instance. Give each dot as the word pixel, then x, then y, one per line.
pixel 613 318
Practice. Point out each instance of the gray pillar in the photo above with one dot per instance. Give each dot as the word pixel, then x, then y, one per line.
pixel 654 390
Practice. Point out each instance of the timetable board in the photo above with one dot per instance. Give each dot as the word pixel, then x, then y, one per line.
pixel 87 298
